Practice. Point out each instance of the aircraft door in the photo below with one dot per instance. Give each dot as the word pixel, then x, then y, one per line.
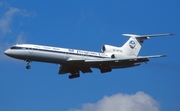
pixel 30 50
pixel 84 56
pixel 66 55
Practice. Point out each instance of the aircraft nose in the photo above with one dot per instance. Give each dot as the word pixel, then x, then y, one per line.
pixel 7 52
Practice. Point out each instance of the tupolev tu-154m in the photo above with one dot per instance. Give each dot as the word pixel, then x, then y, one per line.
pixel 73 61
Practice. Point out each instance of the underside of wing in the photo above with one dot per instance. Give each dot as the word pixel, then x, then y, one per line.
pixel 74 66
pixel 73 69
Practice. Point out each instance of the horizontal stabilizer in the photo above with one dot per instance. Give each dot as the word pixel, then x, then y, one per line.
pixel 146 36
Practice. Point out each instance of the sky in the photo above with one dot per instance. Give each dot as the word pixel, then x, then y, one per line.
pixel 87 25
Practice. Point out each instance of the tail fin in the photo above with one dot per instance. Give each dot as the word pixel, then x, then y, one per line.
pixel 134 44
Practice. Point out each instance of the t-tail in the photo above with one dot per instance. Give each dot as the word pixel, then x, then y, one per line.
pixel 134 44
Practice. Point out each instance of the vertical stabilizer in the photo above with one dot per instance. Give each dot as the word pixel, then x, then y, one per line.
pixel 134 44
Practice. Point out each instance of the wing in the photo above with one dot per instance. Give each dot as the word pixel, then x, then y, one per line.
pixel 107 65
pixel 131 59
pixel 104 65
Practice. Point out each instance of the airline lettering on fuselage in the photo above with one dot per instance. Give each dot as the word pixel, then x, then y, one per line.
pixel 93 53
pixel 87 53
pixel 46 47
pixel 82 52
pixel 71 50
pixel 55 48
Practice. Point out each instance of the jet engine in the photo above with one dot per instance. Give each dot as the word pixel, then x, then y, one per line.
pixel 116 56
pixel 109 48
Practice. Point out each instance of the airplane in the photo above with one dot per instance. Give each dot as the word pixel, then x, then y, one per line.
pixel 73 61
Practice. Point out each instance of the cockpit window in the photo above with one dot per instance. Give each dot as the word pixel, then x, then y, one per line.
pixel 13 47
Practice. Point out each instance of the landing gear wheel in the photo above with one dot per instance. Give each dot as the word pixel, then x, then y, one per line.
pixel 28 67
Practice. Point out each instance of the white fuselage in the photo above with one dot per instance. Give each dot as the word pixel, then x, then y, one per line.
pixel 51 54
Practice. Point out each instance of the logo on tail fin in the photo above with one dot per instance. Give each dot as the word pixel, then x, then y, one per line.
pixel 132 44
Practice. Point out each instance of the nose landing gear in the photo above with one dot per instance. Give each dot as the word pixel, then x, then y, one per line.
pixel 28 66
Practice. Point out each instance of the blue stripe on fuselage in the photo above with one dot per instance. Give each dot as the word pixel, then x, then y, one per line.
pixel 24 48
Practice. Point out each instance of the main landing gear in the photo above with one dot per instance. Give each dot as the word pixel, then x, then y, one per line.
pixel 28 66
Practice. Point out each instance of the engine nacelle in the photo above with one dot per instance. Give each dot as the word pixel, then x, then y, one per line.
pixel 116 56
pixel 109 48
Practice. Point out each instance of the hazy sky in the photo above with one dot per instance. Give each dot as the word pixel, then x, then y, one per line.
pixel 87 25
